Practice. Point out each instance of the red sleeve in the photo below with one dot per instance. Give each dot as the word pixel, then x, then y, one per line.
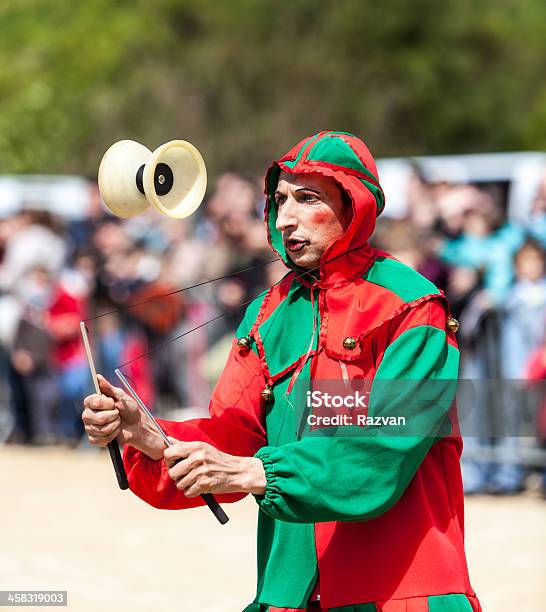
pixel 536 366
pixel 235 426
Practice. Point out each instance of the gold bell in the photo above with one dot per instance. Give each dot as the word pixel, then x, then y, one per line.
pixel 267 394
pixel 452 324
pixel 244 343
pixel 349 343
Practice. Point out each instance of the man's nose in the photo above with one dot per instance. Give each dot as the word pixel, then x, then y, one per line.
pixel 286 216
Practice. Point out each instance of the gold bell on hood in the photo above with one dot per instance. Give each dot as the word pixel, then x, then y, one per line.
pixel 452 324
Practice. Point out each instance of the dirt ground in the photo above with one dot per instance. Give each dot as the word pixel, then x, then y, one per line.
pixel 64 524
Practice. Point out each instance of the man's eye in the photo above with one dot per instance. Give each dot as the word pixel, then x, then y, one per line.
pixel 280 200
pixel 309 197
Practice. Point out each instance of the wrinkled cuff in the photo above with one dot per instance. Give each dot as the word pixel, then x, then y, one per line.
pixel 272 492
pixel 133 458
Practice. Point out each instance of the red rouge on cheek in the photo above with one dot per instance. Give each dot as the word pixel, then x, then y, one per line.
pixel 320 216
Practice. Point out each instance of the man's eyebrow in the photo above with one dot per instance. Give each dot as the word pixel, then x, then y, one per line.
pixel 308 189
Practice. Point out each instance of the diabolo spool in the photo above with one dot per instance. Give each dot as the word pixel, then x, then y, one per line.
pixel 172 179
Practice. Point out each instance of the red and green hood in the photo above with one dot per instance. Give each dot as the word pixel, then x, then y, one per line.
pixel 347 160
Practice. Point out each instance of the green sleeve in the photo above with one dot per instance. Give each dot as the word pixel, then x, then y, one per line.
pixel 360 473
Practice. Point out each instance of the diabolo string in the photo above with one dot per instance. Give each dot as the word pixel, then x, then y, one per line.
pixel 157 297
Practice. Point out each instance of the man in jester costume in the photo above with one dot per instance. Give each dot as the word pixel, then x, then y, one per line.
pixel 364 518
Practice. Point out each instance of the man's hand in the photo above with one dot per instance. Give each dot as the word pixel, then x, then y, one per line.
pixel 116 415
pixel 198 467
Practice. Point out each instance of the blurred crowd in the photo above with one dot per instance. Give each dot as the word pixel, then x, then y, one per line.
pixel 493 272
pixel 104 270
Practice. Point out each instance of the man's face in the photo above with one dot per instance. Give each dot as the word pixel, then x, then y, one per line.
pixel 311 214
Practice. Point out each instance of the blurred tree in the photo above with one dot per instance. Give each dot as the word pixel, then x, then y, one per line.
pixel 245 79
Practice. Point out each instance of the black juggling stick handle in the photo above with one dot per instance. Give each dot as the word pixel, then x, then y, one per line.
pixel 215 508
pixel 211 502
pixel 117 462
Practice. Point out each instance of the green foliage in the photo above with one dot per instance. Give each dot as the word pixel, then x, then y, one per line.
pixel 244 79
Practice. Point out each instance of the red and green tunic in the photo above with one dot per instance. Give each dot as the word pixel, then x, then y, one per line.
pixel 369 522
